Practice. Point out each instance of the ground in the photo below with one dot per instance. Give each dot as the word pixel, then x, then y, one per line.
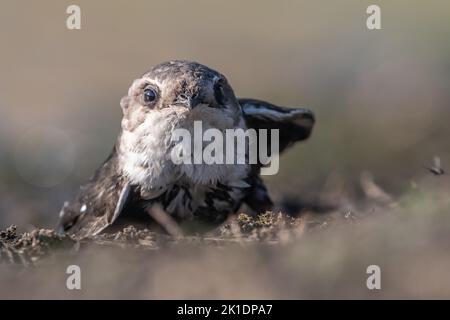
pixel 314 255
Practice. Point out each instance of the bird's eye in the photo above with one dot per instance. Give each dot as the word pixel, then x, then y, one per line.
pixel 219 93
pixel 149 95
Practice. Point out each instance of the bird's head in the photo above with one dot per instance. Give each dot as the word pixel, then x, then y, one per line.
pixel 192 90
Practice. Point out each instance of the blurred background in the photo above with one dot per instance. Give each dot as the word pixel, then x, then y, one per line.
pixel 381 97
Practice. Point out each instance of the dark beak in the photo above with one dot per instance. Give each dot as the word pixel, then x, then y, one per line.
pixel 189 101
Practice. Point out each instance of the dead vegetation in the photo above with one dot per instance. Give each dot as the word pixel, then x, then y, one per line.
pixel 28 248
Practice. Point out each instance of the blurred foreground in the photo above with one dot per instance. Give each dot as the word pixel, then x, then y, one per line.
pixel 316 255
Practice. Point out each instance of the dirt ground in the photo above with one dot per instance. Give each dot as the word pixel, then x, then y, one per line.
pixel 314 255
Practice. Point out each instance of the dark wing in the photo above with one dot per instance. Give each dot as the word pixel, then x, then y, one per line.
pixel 294 124
pixel 257 197
pixel 98 203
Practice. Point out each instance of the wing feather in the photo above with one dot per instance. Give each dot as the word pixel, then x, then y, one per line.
pixel 98 204
pixel 294 124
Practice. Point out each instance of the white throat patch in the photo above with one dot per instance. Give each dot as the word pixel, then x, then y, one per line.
pixel 145 152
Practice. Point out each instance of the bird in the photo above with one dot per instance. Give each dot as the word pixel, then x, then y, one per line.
pixel 139 173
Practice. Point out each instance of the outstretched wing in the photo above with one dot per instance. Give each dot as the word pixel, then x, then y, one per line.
pixel 98 203
pixel 294 124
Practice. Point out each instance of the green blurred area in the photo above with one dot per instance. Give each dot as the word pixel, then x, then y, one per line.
pixel 381 97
